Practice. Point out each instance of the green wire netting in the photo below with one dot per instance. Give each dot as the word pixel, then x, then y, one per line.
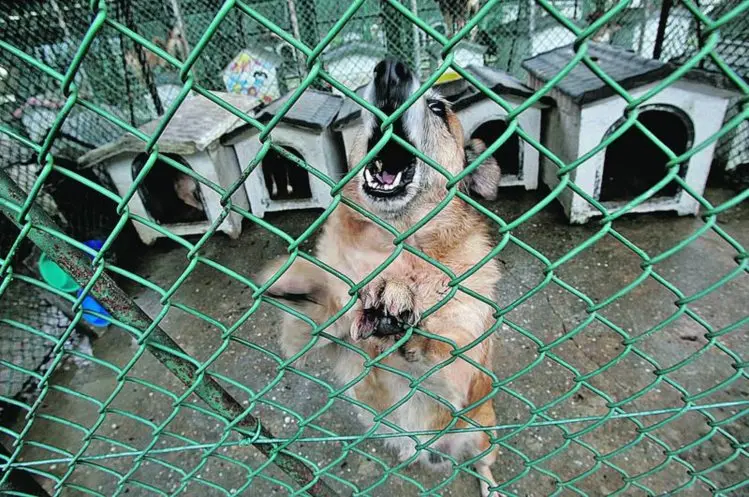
pixel 209 428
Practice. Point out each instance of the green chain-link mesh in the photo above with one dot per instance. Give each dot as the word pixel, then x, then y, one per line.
pixel 237 424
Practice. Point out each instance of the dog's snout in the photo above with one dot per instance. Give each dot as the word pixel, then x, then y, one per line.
pixel 391 72
pixel 392 83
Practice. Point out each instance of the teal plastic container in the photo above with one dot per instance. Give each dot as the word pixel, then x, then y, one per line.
pixel 55 276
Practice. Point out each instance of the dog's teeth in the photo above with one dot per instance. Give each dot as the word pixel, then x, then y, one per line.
pixel 368 177
pixel 397 180
pixel 376 184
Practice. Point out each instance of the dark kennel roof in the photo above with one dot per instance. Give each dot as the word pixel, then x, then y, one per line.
pixel 460 93
pixel 627 68
pixel 314 109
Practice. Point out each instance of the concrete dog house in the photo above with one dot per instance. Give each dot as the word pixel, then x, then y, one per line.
pixel 167 196
pixel 277 183
pixel 482 118
pixel 682 115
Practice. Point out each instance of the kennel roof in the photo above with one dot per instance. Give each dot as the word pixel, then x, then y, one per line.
pixel 314 110
pixel 460 92
pixel 197 123
pixel 627 68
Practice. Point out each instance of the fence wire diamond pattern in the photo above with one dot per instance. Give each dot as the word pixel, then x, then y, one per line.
pixel 233 413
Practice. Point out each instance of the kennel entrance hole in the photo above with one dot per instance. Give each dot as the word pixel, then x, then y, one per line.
pixel 508 154
pixel 169 195
pixel 284 180
pixel 634 163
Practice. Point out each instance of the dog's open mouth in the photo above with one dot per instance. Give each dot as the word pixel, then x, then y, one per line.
pixel 388 180
pixel 392 169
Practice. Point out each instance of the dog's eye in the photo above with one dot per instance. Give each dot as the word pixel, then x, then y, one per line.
pixel 437 106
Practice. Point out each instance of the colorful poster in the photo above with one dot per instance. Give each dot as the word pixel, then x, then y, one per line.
pixel 253 76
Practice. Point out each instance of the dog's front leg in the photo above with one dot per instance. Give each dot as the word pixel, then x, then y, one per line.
pixel 463 384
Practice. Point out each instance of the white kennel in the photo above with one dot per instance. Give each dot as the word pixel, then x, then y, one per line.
pixel 305 132
pixel 481 118
pixel 682 115
pixel 192 139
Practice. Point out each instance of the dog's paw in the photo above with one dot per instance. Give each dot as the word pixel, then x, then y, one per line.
pixel 388 309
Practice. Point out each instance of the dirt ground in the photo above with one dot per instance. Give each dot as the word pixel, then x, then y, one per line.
pixel 659 367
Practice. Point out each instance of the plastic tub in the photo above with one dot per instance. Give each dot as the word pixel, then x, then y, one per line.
pixel 94 244
pixel 55 276
pixel 90 304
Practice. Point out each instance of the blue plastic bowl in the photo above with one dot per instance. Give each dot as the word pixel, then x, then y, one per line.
pixel 90 304
pixel 94 244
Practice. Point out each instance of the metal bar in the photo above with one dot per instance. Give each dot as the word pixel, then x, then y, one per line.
pixel 397 34
pixel 660 35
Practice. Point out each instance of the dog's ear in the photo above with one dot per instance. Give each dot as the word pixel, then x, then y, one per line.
pixel 302 281
pixel 484 180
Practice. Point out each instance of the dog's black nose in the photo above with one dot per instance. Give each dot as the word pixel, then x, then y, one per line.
pixel 390 72
pixel 392 84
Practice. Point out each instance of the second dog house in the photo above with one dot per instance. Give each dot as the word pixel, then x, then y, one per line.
pixel 684 114
pixel 278 183
pixel 484 119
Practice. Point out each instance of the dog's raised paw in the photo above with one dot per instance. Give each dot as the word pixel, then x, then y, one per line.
pixel 387 310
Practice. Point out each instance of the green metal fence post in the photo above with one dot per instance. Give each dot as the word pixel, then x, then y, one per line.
pixel 307 18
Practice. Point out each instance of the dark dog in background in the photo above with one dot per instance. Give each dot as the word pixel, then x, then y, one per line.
pixel 277 180
pixel 175 45
pixel 457 13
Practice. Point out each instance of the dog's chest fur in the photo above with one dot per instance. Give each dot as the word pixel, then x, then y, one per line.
pixel 357 249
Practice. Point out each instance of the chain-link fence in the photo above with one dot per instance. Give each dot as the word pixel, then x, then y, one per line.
pixel 586 405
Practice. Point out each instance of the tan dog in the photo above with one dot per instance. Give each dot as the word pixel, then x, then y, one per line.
pixel 401 189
